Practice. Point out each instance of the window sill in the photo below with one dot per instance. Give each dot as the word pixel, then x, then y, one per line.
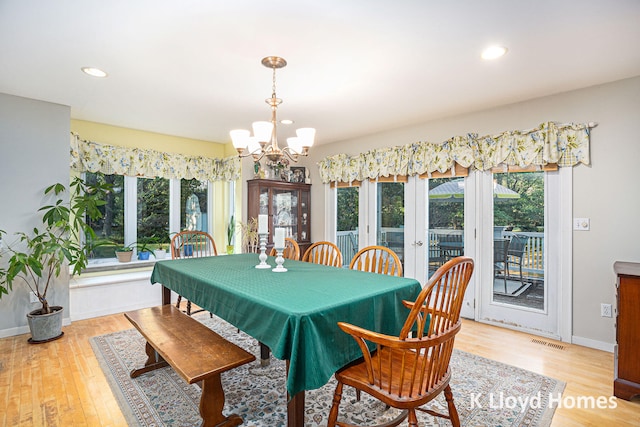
pixel 112 264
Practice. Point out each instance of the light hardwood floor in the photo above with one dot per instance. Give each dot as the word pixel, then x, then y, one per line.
pixel 61 384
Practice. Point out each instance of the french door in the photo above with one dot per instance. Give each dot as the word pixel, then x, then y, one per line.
pixel 426 227
pixel 522 250
pixel 424 233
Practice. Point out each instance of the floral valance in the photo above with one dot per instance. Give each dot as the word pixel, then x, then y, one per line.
pixel 564 144
pixel 87 156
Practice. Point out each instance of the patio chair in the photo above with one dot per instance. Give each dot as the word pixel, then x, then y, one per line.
pixel 405 371
pixel 377 259
pixel 500 255
pixel 515 253
pixel 291 249
pixel 323 252
pixel 192 244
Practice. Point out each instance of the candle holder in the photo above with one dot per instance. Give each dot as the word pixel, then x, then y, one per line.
pixel 279 261
pixel 263 252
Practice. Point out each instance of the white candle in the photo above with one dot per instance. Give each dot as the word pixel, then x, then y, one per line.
pixel 278 238
pixel 263 224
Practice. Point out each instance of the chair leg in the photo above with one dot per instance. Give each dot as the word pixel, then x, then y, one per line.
pixel 188 308
pixel 453 412
pixel 178 302
pixel 333 415
pixel 413 419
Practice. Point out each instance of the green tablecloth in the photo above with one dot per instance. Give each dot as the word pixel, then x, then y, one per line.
pixel 294 313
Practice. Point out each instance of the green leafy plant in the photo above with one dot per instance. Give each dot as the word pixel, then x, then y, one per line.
pixel 249 235
pixel 36 257
pixel 126 248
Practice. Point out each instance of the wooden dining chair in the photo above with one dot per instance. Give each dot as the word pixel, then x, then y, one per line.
pixel 377 259
pixel 409 370
pixel 291 249
pixel 323 252
pixel 192 244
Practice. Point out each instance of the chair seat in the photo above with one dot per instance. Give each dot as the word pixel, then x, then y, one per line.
pixel 405 393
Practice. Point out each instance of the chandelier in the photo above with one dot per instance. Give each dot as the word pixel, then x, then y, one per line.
pixel 264 141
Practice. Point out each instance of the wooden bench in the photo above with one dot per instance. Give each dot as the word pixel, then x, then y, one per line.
pixel 194 351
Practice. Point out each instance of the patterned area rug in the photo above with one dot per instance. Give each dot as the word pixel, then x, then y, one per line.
pixel 487 393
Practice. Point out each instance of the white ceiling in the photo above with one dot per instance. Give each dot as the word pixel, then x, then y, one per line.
pixel 355 67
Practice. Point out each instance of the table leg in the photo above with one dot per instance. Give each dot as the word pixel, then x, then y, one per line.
pixel 264 355
pixel 295 408
pixel 166 295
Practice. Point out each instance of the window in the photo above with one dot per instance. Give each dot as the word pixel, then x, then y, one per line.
pixel 152 220
pixel 139 211
pixel 193 205
pixel 110 228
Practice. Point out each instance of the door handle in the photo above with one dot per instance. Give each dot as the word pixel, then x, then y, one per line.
pixel 418 243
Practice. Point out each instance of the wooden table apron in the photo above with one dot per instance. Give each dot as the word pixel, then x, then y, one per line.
pixel 294 313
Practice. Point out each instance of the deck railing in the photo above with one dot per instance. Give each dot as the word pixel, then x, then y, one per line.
pixel 533 262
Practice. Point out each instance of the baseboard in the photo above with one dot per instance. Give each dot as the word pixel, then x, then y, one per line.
pixel 588 342
pixel 19 330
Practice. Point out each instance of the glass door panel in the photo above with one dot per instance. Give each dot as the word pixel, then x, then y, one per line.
pixel 446 221
pixel 285 212
pixel 390 217
pixel 518 239
pixel 347 211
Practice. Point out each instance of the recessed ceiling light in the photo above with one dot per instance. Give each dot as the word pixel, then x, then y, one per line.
pixel 95 72
pixel 286 121
pixel 493 52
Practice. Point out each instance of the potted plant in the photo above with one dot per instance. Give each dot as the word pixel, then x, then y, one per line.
pixel 144 251
pixel 125 252
pixel 38 257
pixel 249 235
pixel 160 252
pixel 231 230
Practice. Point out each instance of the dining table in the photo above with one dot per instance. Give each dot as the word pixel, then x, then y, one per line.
pixel 294 313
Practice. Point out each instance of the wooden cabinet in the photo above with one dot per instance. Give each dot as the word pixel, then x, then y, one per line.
pixel 626 382
pixel 288 205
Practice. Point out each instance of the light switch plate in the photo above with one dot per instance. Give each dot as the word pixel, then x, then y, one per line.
pixel 581 224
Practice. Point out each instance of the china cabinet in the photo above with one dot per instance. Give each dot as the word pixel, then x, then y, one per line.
pixel 626 384
pixel 288 205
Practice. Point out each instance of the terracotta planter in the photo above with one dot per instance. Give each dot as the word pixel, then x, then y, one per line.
pixel 124 256
pixel 45 327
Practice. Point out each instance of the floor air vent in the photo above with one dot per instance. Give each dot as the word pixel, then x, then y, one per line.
pixel 548 344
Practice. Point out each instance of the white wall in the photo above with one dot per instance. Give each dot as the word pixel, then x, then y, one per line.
pixel 34 153
pixel 606 192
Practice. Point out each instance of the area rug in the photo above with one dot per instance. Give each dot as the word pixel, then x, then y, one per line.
pixel 487 393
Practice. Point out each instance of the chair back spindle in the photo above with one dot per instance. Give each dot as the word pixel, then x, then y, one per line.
pixel 377 259
pixel 326 253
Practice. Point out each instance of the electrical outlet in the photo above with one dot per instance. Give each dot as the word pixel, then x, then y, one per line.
pixel 33 298
pixel 605 310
